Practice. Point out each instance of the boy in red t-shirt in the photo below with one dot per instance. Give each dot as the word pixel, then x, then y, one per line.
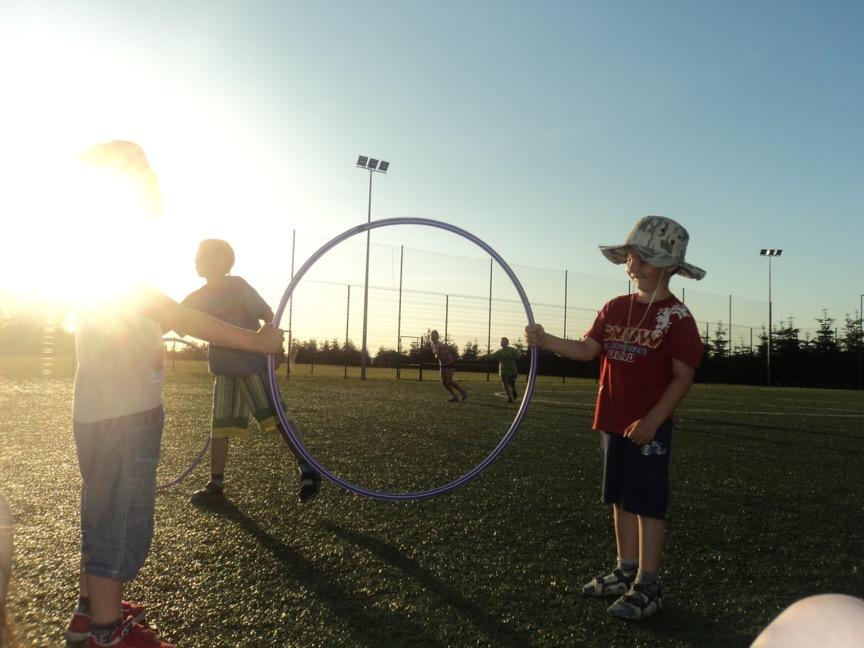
pixel 650 349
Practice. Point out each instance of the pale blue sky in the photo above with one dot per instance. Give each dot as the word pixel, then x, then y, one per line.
pixel 546 128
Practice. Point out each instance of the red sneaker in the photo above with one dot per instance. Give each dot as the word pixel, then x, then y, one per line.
pixel 79 625
pixel 131 635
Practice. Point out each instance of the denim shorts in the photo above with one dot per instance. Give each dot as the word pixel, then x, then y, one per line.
pixel 118 458
pixel 636 477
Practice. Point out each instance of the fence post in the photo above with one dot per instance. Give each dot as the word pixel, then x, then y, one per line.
pixel 446 315
pixel 565 303
pixel 399 320
pixel 290 308
pixel 489 324
pixel 563 377
pixel 729 337
pixel 347 318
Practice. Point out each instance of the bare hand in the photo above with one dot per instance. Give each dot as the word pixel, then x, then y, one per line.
pixel 641 432
pixel 535 335
pixel 270 339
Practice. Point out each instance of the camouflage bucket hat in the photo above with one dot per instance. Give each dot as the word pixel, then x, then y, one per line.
pixel 660 241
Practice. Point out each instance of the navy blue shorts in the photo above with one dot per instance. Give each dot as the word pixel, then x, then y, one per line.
pixel 637 477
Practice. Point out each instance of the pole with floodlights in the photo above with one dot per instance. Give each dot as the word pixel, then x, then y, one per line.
pixel 770 253
pixel 373 166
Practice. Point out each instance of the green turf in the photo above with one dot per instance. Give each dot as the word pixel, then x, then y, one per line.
pixel 766 508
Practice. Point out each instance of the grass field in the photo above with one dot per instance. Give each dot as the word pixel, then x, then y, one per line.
pixel 766 508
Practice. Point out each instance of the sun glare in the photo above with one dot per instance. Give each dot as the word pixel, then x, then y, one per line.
pixel 61 241
pixel 86 238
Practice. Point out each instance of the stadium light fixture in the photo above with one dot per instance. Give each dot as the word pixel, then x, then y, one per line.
pixel 371 165
pixel 770 253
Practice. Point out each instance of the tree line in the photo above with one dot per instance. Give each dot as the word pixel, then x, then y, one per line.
pixel 830 358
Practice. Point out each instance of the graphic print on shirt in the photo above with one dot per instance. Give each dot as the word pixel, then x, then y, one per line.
pixel 626 344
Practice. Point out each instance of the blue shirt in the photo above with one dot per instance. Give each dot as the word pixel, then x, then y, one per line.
pixel 236 302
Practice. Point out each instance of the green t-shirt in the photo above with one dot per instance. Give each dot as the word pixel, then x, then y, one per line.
pixel 506 357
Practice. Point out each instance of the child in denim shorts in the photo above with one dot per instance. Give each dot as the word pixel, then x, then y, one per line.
pixel 117 414
pixel 650 348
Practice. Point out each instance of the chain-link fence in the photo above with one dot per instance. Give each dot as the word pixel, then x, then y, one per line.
pixel 469 299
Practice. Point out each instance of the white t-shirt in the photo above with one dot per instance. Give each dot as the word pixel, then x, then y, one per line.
pixel 120 362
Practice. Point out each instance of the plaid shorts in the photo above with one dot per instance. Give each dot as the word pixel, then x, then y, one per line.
pixel 235 398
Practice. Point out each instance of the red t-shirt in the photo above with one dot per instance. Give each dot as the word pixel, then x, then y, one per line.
pixel 636 360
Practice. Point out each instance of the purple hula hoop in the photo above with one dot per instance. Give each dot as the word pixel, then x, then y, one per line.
pixel 203 449
pixel 290 434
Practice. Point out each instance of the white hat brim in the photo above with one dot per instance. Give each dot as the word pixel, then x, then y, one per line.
pixel 618 254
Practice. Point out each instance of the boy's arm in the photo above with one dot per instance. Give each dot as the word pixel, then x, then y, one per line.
pixel 583 350
pixel 187 302
pixel 642 431
pixel 175 316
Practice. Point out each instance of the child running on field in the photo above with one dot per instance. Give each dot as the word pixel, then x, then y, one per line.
pixel 117 414
pixel 650 349
pixel 444 355
pixel 241 383
pixel 507 357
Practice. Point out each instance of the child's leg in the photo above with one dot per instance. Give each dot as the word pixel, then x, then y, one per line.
pixel 509 386
pixel 218 455
pixel 621 578
pixel 456 385
pixel 652 532
pixel 626 533
pixel 447 381
pixel 260 401
pixel 117 459
pixel 450 384
pixel 230 417
pixel 105 595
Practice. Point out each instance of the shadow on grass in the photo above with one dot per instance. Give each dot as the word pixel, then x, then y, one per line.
pixel 367 625
pixel 499 633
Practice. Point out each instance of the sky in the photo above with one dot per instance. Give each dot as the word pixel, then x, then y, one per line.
pixel 544 128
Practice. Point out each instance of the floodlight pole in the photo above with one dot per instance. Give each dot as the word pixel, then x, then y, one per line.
pixel 366 286
pixel 399 317
pixel 770 253
pixel 768 363
pixel 291 309
pixel 371 165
